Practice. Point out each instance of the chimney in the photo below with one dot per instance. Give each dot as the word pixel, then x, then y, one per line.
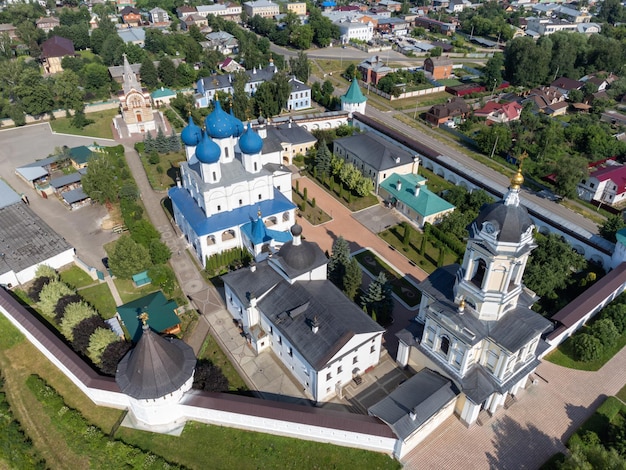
pixel 178 183
pixel 416 190
pixel 315 325
pixel 412 415
pixel 398 185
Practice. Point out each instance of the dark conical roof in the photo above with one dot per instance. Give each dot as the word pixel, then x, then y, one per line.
pixel 511 221
pixel 155 367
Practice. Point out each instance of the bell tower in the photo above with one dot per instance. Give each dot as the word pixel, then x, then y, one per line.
pixel 500 241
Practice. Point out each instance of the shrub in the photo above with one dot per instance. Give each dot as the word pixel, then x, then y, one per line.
pixel 617 313
pixel 112 355
pixel 98 342
pixel 586 347
pixel 62 303
pixel 37 286
pixel 83 331
pixel 159 252
pixel 50 295
pixel 605 331
pixel 43 270
pixel 209 377
pixel 74 314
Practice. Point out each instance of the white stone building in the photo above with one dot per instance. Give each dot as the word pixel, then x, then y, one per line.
pixel 285 304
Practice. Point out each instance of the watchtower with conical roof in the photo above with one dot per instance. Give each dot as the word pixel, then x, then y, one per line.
pixel 353 101
pixel 155 374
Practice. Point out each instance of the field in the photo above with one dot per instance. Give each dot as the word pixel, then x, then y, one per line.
pixel 102 127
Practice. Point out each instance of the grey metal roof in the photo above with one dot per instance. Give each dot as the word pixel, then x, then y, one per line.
pixel 75 195
pixel 155 367
pixel 297 85
pixel 64 180
pixel 414 402
pixel 375 151
pixel 292 307
pixel 31 173
pixel 295 260
pixel 518 327
pixel 292 133
pixel 244 282
pixel 510 220
pixel 25 239
pixel 7 195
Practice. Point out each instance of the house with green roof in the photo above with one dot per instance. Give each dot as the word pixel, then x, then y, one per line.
pixel 162 313
pixel 354 100
pixel 80 156
pixel 410 196
pixel 162 96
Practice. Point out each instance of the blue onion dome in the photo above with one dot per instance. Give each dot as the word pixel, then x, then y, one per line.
pixel 238 123
pixel 191 134
pixel 250 142
pixel 219 124
pixel 208 151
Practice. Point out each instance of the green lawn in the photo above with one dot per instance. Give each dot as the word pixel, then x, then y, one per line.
pixel 100 128
pixel 314 215
pixel 76 277
pixel 128 292
pixel 449 81
pixel 211 350
pixel 401 287
pixel 342 195
pixel 564 355
pixel 622 394
pixel 100 297
pixel 607 412
pixel 166 178
pixel 202 446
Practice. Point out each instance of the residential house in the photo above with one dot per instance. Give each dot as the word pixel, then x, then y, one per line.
pixel 222 42
pixel 52 52
pixel 228 11
pixel 440 68
pixel 184 11
pixel 391 5
pixel 131 16
pixel 162 96
pixel 47 24
pixel 375 157
pixel 494 112
pixel 263 8
pixel 229 65
pixel 194 19
pixel 162 315
pixel 135 36
pixel 543 96
pixel 410 196
pixel 457 6
pixel 286 305
pixel 299 8
pixel 373 69
pixel 380 13
pixel 565 85
pixel 606 183
pixel 300 96
pixel 435 26
pixel 80 156
pixel 290 138
pixel 440 113
pixel 9 30
pixel 392 26
pixel 159 17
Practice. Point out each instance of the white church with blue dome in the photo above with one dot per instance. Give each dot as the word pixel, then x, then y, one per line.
pixel 233 191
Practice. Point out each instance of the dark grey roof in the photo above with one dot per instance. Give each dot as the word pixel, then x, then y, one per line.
pixel 244 282
pixel 295 260
pixel 218 81
pixel 74 195
pixel 64 180
pixel 297 85
pixel 375 151
pixel 26 239
pixel 7 195
pixel 510 220
pixel 291 308
pixel 414 402
pixel 292 133
pixel 518 327
pixel 155 367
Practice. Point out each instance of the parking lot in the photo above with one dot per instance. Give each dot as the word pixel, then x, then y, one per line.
pixel 82 227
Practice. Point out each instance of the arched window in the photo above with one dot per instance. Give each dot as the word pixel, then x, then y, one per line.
pixel 444 346
pixel 479 276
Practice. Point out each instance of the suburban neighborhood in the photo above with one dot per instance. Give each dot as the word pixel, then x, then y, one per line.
pixel 313 234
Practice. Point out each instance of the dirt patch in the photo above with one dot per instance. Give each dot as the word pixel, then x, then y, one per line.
pixel 113 218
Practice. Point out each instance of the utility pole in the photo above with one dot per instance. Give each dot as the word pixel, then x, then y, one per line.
pixel 493 150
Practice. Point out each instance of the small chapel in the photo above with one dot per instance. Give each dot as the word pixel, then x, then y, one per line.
pixel 475 327
pixel 233 190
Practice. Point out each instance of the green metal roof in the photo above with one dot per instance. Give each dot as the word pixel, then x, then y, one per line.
pixel 621 236
pixel 426 203
pixel 161 315
pixel 162 93
pixel 80 155
pixel 354 95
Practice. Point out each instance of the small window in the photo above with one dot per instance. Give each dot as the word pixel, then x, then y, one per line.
pixel 259 197
pixel 271 330
pixel 290 352
pixel 280 340
pixel 444 346
pixel 219 208
pixel 329 376
pixel 240 201
pixel 373 349
pixel 255 166
pixel 339 370
pixel 214 176
pixel 355 359
pixel 262 343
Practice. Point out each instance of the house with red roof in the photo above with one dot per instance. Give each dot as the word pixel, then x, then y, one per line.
pixel 494 112
pixel 606 183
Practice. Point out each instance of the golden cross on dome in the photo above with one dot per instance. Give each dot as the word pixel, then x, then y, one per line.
pixel 144 318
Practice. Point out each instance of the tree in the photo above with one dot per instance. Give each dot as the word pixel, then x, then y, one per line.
pixel 185 75
pixel 159 252
pixel 378 299
pixel 74 314
pixel 351 72
pixel 62 303
pixel 492 72
pixel 68 91
pixel 112 355
pixel 586 347
pixel 143 232
pixel 96 78
pixel 576 96
pixel 617 314
pixel 43 270
pixel 167 71
pixel 241 101
pixel 128 258
pixel 352 278
pixel 339 260
pixel 112 50
pixel 300 66
pixel 526 63
pixel 209 377
pixel 149 74
pixel 161 143
pixel 163 276
pixel 494 139
pixel 569 171
pixel 101 182
pixel 611 226
pixel 322 159
pixel 605 331
pixel 50 295
pixel 83 331
pixel 98 342
pixel 38 284
pixel 406 239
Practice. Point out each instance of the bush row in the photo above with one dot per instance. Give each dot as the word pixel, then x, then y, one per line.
pixel 228 260
pixel 602 334
pixel 449 241
pixel 86 439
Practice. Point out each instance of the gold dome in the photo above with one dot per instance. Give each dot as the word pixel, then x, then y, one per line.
pixel 517 180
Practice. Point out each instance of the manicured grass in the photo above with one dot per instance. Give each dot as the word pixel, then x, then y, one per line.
pixel 211 350
pixel 622 394
pixel 100 128
pixel 100 297
pixel 128 292
pixel 353 203
pixel 401 287
pixel 435 183
pixel 449 81
pixel 427 261
pixel 76 277
pixel 608 412
pixel 169 165
pixel 203 446
pixel 564 355
pixel 314 215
